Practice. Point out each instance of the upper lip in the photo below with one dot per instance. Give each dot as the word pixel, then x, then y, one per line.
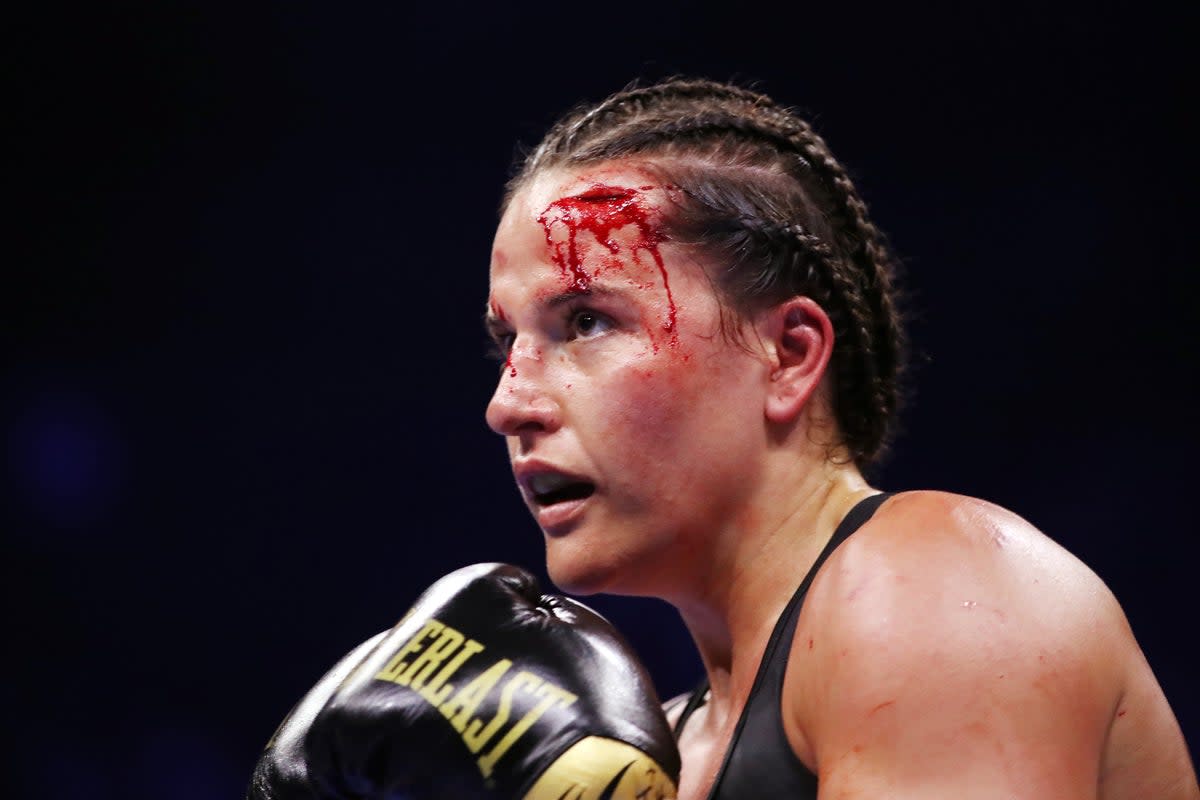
pixel 529 471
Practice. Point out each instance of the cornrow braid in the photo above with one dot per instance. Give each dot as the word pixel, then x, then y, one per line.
pixel 633 99
pixel 878 268
pixel 762 192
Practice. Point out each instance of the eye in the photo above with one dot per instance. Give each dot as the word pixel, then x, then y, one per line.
pixel 584 323
pixel 499 346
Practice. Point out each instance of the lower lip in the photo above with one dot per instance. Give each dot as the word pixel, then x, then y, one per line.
pixel 560 518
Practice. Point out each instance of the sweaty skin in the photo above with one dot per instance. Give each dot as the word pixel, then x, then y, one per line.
pixel 968 649
pixel 947 649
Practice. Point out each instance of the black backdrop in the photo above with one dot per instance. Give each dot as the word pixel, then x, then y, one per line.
pixel 243 412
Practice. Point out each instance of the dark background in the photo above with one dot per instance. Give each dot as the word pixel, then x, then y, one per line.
pixel 243 412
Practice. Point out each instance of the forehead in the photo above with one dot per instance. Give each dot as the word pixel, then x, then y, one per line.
pixel 537 196
pixel 591 230
pixel 586 220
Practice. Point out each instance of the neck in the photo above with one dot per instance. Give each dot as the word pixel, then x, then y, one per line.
pixel 752 570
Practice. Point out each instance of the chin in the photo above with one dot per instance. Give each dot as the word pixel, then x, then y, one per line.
pixel 578 569
pixel 573 577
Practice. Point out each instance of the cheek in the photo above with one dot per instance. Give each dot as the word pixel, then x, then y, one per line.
pixel 690 402
pixel 655 398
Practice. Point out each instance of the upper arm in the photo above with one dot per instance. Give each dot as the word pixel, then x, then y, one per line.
pixel 949 668
pixel 1146 755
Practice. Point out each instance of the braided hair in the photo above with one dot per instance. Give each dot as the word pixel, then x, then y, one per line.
pixel 759 192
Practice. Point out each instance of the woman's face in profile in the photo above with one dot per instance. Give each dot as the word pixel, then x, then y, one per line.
pixel 633 424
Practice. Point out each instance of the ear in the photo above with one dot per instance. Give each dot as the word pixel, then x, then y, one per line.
pixel 799 339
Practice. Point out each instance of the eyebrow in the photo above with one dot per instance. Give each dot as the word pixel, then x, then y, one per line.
pixel 562 298
pixel 493 325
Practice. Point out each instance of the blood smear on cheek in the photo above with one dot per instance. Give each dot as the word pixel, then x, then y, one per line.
pixel 600 211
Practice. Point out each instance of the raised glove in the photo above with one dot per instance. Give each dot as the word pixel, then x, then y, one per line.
pixel 488 689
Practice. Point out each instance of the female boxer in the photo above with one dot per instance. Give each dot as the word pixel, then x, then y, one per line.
pixel 701 354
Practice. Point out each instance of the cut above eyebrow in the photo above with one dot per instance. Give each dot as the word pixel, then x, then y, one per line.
pixel 604 193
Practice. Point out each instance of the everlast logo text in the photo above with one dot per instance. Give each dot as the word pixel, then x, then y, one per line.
pixel 428 661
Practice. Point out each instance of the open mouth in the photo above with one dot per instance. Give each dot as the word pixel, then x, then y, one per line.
pixel 552 488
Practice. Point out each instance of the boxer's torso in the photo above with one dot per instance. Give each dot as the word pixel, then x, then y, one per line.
pixel 758 760
pixel 1138 749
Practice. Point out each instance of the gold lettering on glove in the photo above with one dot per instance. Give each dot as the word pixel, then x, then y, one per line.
pixel 438 645
pixel 550 695
pixel 598 768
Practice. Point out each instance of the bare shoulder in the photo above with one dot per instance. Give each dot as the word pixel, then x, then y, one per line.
pixel 948 633
pixel 933 563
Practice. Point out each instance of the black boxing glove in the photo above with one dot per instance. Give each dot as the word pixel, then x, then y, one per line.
pixel 488 689
pixel 282 771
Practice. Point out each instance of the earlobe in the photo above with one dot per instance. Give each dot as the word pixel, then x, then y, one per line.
pixel 801 338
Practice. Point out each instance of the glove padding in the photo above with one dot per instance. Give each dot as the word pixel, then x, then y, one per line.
pixel 489 690
pixel 282 771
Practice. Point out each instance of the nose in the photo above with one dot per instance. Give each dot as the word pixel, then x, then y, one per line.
pixel 523 402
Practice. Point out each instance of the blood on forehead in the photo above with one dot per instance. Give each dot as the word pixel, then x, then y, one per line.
pixel 602 210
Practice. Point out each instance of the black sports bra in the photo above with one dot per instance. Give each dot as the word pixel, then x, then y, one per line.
pixel 759 762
